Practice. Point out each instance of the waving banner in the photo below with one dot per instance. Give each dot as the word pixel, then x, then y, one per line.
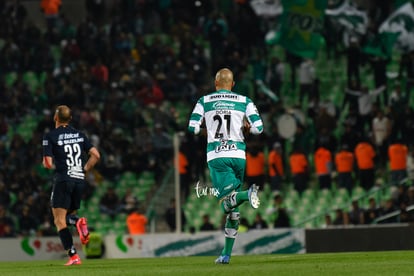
pixel 401 24
pixel 267 8
pixel 347 15
pixel 301 26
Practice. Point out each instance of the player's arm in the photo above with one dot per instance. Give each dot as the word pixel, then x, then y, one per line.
pixel 246 127
pixel 47 153
pixel 196 118
pixel 255 123
pixel 94 157
pixel 48 162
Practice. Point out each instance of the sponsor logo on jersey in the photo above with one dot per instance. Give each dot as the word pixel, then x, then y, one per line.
pixel 225 146
pixel 223 105
pixel 69 138
pixel 224 96
pixel 76 172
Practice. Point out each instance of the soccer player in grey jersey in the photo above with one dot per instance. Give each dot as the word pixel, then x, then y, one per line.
pixel 227 115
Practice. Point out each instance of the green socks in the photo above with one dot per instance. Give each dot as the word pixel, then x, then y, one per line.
pixel 228 246
pixel 242 197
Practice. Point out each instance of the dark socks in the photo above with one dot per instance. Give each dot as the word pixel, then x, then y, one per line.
pixel 67 241
pixel 71 219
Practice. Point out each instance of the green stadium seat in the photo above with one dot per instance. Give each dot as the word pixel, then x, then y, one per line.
pixel 191 204
pixel 343 193
pixel 10 78
pixel 94 200
pixel 148 175
pixel 93 216
pixel 42 78
pixel 141 197
pixel 119 226
pixel 309 194
pixel 309 224
pixel 303 209
pixel 56 52
pixel 290 204
pixel 306 201
pixel 340 202
pixel 266 192
pixel 105 184
pixel 188 214
pixel 13 198
pixel 216 217
pixel 326 194
pixel 292 194
pixel 196 223
pixel 105 218
pixel 250 214
pixel 358 192
pixel 107 228
pixel 205 205
pixel 31 80
pixel 122 185
pixel 297 218
pixel 389 191
pixel 322 202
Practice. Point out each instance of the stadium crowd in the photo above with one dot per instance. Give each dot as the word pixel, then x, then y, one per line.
pixel 125 70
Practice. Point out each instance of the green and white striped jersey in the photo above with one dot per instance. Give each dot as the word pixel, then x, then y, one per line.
pixel 224 112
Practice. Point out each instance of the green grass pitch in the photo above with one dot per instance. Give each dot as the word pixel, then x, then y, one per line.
pixel 360 263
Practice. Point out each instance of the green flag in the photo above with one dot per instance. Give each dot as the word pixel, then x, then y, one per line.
pixel 346 14
pixel 399 3
pixel 380 45
pixel 401 24
pixel 301 26
pixel 397 31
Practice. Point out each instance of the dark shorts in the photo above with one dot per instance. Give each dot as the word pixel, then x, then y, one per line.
pixel 67 194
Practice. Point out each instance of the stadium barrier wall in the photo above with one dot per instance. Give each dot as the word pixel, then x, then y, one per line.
pixel 360 238
pixel 270 241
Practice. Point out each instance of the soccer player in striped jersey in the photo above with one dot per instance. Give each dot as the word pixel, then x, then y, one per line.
pixel 227 116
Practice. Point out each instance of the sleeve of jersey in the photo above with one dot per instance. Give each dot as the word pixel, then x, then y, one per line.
pixel 196 118
pixel 47 146
pixel 256 123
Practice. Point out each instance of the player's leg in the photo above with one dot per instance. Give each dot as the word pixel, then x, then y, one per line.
pixel 81 225
pixel 72 218
pixel 252 192
pixel 230 233
pixel 235 199
pixel 229 174
pixel 65 235
pixel 60 201
pixel 81 222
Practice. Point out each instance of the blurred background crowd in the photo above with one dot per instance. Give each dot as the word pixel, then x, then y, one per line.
pixel 131 70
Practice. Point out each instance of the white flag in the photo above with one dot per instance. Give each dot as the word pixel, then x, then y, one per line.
pixel 401 22
pixel 267 8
